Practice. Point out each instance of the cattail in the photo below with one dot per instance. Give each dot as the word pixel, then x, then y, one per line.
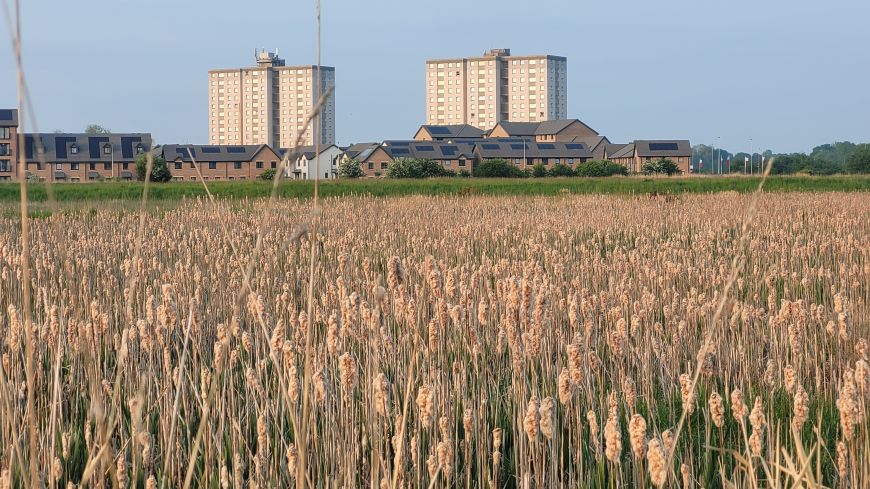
pixel 531 420
pixel 565 387
pixel 225 477
pixel 612 438
pixel 575 364
pixel 433 336
pixel 687 393
pixel 862 375
pixel 756 417
pixel 593 430
pixel 320 387
pixel 668 440
pixel 789 379
pixel 468 422
pixel 347 372
pixel 120 471
pixel 381 388
pixel 738 408
pixel 482 310
pixel 426 404
pixel 57 471
pixel 496 446
pixel 151 483
pixel 262 436
pixel 847 404
pixel 291 459
pixel 801 407
pixel 637 436
pixel 842 459
pixel 546 412
pixel 432 464
pixel 628 392
pixel 657 460
pixel 687 476
pixel 717 411
pixel 445 457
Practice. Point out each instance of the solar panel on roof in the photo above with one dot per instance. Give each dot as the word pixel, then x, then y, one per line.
pixel 425 148
pixel 400 143
pixel 438 130
pixel 574 146
pixel 491 146
pixel 235 149
pixel 449 150
pixel 546 146
pixel 210 149
pixel 401 151
pixel 5 115
pixel 663 146
pixel 518 146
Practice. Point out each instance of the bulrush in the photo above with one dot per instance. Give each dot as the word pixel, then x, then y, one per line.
pixel 381 388
pixel 738 408
pixel 789 378
pixel 637 436
pixel 426 404
pixel 687 393
pixel 657 459
pixel 717 410
pixel 546 412
pixel 593 431
pixel 801 407
pixel 566 389
pixel 612 438
pixel 847 405
pixel 532 419
pixel 347 370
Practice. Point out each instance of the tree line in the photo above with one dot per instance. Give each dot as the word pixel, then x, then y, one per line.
pixel 828 159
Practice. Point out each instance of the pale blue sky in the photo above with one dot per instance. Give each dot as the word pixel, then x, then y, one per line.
pixel 791 74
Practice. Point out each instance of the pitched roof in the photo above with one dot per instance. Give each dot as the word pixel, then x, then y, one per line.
pixel 663 148
pixel 8 117
pixel 209 153
pixel 620 150
pixel 533 150
pixel 307 151
pixel 452 131
pixel 63 147
pixel 360 151
pixel 433 150
pixel 544 128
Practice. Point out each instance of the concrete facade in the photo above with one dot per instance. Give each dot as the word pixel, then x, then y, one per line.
pixel 269 104
pixel 483 91
pixel 308 162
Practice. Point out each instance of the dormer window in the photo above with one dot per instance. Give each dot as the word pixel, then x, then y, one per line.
pixel 139 148
pixel 107 149
pixel 74 149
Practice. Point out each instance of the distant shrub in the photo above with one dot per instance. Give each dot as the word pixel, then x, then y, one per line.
pixel 159 169
pixel 497 169
pixel 562 170
pixel 601 168
pixel 349 169
pixel 416 168
pixel 268 174
pixel 539 171
pixel 661 166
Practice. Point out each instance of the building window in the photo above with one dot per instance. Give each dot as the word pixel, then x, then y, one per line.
pixel 5 133
pixel 5 149
pixel 212 165
pixel 58 167
pixel 107 166
pixel 5 166
pixel 178 165
pixel 139 148
pixel 125 166
pixel 259 165
pixel 107 149
pixel 384 165
pixel 91 166
pixel 274 165
pixel 74 149
pixel 237 165
pixel 73 166
pixel 461 162
pixel 371 165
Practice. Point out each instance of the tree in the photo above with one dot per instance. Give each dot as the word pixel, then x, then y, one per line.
pixel 661 166
pixel 601 168
pixel 859 160
pixel 268 174
pixel 562 170
pixel 159 169
pixel 96 129
pixel 496 168
pixel 349 169
pixel 539 170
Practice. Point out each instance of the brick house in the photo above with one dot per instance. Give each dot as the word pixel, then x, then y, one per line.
pixel 244 162
pixel 634 155
pixel 65 157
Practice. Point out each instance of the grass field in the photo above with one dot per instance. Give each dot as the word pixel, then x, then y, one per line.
pixel 439 342
pixel 9 192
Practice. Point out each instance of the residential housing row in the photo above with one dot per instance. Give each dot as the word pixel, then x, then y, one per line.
pixel 63 157
pixel 495 106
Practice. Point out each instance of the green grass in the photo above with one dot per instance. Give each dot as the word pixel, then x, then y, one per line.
pixel 114 191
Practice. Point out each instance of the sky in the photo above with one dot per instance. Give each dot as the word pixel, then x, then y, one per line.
pixel 786 74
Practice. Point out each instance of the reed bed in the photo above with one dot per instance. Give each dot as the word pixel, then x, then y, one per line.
pixel 455 342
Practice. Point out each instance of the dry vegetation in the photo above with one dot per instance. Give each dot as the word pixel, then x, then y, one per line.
pixel 473 342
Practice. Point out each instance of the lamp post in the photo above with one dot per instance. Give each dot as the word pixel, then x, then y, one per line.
pixel 718 154
pixel 751 157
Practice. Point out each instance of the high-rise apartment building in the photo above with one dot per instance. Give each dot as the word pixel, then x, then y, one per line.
pixel 495 87
pixel 269 104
